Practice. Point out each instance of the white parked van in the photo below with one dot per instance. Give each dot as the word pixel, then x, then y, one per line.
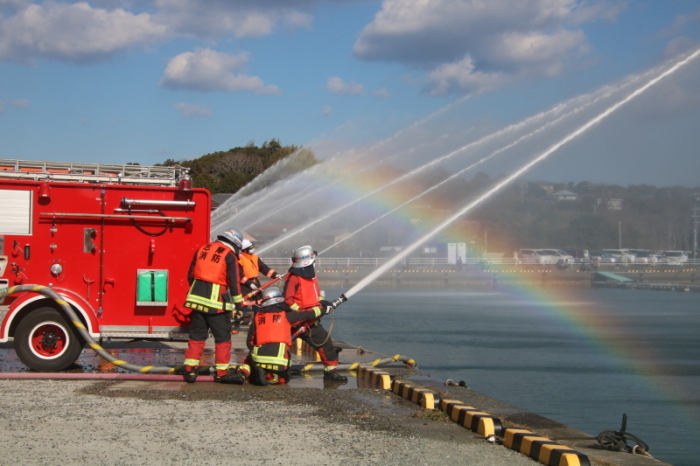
pixel 675 257
pixel 623 256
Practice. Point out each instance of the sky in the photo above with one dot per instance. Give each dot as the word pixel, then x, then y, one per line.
pixel 120 81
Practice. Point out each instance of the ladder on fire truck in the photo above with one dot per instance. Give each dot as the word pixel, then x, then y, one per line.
pixel 92 172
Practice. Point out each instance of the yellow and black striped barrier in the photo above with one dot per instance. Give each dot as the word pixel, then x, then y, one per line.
pixel 542 449
pixel 472 418
pixel 414 393
pixel 369 377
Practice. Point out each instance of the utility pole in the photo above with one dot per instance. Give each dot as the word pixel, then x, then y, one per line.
pixel 696 220
pixel 619 234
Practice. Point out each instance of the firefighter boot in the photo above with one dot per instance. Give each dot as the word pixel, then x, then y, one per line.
pixel 333 376
pixel 229 377
pixel 191 374
pixel 258 376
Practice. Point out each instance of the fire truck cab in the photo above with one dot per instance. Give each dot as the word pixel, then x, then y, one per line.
pixel 114 241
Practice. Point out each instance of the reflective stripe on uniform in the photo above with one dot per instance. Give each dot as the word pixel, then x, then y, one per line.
pixel 279 359
pixel 194 299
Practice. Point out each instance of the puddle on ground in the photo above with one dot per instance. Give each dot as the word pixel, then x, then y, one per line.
pixel 158 354
pixel 297 381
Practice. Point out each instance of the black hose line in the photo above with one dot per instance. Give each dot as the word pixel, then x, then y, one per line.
pixel 203 370
pixel 78 324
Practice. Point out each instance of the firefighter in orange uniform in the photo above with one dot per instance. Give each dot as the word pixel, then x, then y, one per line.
pixel 214 293
pixel 302 293
pixel 252 266
pixel 270 336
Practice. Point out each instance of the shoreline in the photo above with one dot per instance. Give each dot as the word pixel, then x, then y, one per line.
pixel 477 278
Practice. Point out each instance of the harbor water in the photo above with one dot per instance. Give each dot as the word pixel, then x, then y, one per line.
pixel 582 357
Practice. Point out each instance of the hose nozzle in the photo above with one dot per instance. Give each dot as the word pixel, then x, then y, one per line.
pixel 339 301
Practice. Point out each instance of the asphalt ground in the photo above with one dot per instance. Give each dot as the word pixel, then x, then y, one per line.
pixel 309 421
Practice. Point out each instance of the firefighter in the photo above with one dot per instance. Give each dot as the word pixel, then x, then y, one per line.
pixel 252 266
pixel 302 293
pixel 270 336
pixel 215 291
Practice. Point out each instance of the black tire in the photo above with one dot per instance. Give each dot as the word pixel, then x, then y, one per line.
pixel 46 341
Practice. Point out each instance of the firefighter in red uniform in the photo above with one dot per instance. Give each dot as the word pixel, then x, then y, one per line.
pixel 252 266
pixel 214 293
pixel 270 336
pixel 302 293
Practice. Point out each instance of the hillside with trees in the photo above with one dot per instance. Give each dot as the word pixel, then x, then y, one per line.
pixel 228 171
pixel 592 216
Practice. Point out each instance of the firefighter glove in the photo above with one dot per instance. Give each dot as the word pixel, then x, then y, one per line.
pixel 326 307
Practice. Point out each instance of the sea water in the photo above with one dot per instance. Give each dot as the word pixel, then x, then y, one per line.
pixel 582 357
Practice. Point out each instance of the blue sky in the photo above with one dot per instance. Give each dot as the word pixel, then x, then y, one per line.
pixel 120 81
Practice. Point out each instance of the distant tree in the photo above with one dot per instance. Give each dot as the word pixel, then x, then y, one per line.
pixel 228 171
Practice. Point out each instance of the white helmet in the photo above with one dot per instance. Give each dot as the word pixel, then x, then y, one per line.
pixel 271 296
pixel 246 244
pixel 232 236
pixel 303 257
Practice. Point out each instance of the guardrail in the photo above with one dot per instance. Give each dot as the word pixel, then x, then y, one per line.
pixel 432 262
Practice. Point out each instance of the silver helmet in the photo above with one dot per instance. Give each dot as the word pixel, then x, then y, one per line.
pixel 271 296
pixel 232 236
pixel 303 257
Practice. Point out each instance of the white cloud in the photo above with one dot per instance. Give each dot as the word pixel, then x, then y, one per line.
pixel 339 86
pixel 381 93
pixel 461 76
pixel 73 32
pixel 208 70
pixel 189 110
pixel 86 32
pixel 20 103
pixel 469 45
pixel 602 10
pixel 213 18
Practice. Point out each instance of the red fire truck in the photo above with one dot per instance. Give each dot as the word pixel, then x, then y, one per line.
pixel 114 241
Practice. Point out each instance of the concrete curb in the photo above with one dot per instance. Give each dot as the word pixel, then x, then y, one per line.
pixel 536 447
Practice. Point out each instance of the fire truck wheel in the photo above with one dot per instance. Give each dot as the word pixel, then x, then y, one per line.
pixel 45 341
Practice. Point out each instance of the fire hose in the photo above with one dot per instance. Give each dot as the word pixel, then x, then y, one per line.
pixel 70 313
pixel 172 371
pixel 317 366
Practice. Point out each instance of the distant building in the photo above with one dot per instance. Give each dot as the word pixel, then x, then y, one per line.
pixel 564 196
pixel 614 204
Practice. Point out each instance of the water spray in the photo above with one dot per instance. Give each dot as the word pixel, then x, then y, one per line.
pixel 506 181
pixel 473 165
pixel 242 194
pixel 558 109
